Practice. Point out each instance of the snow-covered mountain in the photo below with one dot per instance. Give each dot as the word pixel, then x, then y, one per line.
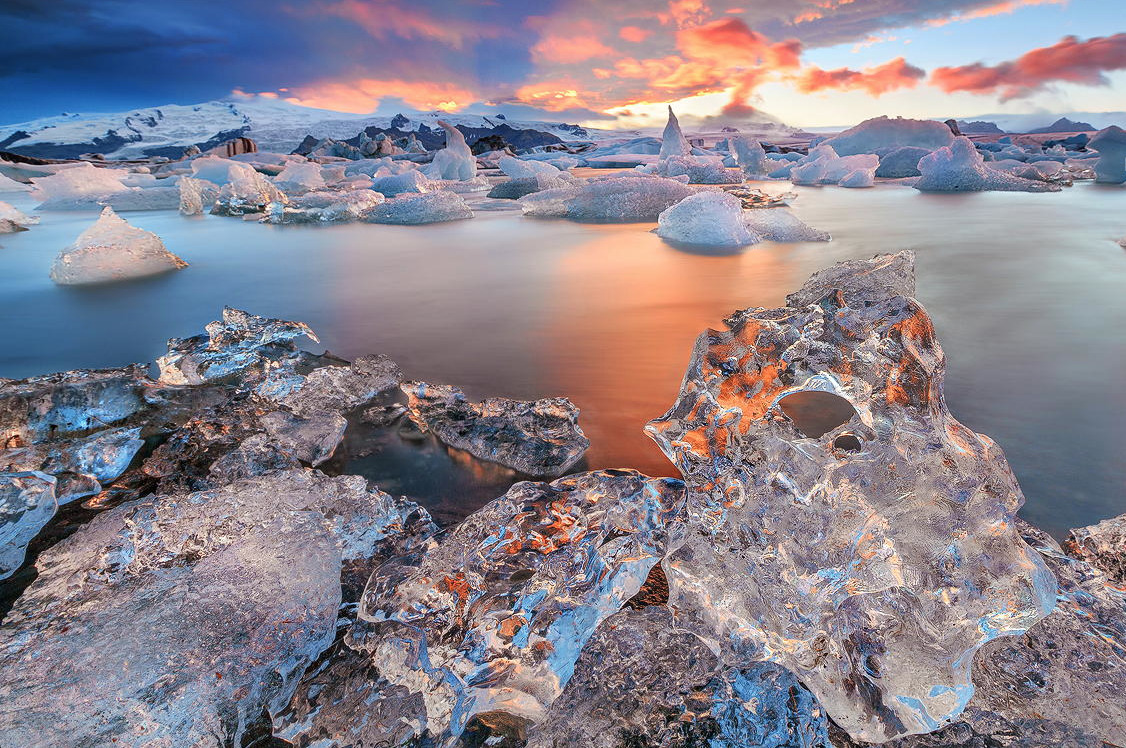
pixel 275 125
pixel 1031 122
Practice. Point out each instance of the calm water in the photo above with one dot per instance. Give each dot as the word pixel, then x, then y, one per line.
pixel 1028 293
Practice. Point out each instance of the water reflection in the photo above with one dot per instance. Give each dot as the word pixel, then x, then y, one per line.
pixel 1025 291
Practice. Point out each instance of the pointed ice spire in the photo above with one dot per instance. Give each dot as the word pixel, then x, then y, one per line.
pixel 673 142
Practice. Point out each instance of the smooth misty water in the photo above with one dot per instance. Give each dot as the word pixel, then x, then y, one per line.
pixel 1028 293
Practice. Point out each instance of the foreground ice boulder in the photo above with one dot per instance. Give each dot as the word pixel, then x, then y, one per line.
pixel 1102 545
pixel 456 160
pixel 239 343
pixel 413 209
pixel 177 620
pixel 843 523
pixel 1111 145
pixel 541 438
pixel 27 503
pixel 642 682
pixel 883 132
pixel 494 618
pixel 960 168
pixel 112 250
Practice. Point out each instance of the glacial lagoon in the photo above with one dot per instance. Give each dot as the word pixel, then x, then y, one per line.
pixel 1027 292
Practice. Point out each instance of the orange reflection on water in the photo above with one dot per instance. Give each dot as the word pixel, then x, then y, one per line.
pixel 621 341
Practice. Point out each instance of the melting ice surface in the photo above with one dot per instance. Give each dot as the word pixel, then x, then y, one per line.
pixel 1025 291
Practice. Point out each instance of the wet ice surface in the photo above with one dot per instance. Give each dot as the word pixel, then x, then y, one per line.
pixel 606 314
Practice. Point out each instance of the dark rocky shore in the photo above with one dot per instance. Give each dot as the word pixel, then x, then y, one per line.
pixel 197 559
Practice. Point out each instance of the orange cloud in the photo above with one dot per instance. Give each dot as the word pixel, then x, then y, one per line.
pixel 1070 60
pixel 554 96
pixel 878 80
pixel 363 96
pixel 634 34
pixel 1006 6
pixel 569 49
pixel 383 18
pixel 731 43
pixel 685 13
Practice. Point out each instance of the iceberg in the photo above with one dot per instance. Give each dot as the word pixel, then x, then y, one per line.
pixel 750 156
pixel 300 176
pixel 412 180
pixel 246 191
pixel 673 142
pixel 881 133
pixel 7 184
pixel 960 168
pixel 147 198
pixel 215 169
pixel 456 161
pixel 618 199
pixel 80 466
pixel 324 207
pixel 1102 545
pixel 196 195
pixel 112 250
pixel 77 187
pixel 1111 145
pixel 824 419
pixel 411 209
pixel 707 218
pixel 780 225
pixel 901 162
pixel 16 217
pixel 340 389
pixel 541 438
pixel 517 168
pixel 824 166
pixel 698 169
pixel 518 187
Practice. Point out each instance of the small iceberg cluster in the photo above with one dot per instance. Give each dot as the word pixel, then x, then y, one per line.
pixel 718 219
pixel 112 250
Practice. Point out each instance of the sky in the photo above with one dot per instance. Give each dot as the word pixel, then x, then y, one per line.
pixel 607 63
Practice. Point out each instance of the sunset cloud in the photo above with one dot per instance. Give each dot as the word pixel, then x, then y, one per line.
pixel 634 34
pixel 363 95
pixel 570 49
pixel 385 18
pixel 891 76
pixel 996 9
pixel 731 42
pixel 1070 61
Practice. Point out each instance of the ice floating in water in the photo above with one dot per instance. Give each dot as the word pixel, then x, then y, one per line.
pixel 214 169
pixel 620 199
pixel 540 438
pixel 673 142
pixel 518 187
pixel 196 195
pixel 960 168
pixel 750 156
pixel 456 160
pixel 324 207
pixel 77 187
pixel 153 616
pixel 495 617
pixel 396 184
pixel 147 198
pixel 708 218
pixel 901 162
pixel 8 184
pixel 879 133
pixel 718 219
pixel 519 168
pixel 112 250
pixel 16 217
pixel 698 169
pixel 824 166
pixel 825 420
pixel 413 209
pixel 1111 145
pixel 300 176
pixel 247 191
